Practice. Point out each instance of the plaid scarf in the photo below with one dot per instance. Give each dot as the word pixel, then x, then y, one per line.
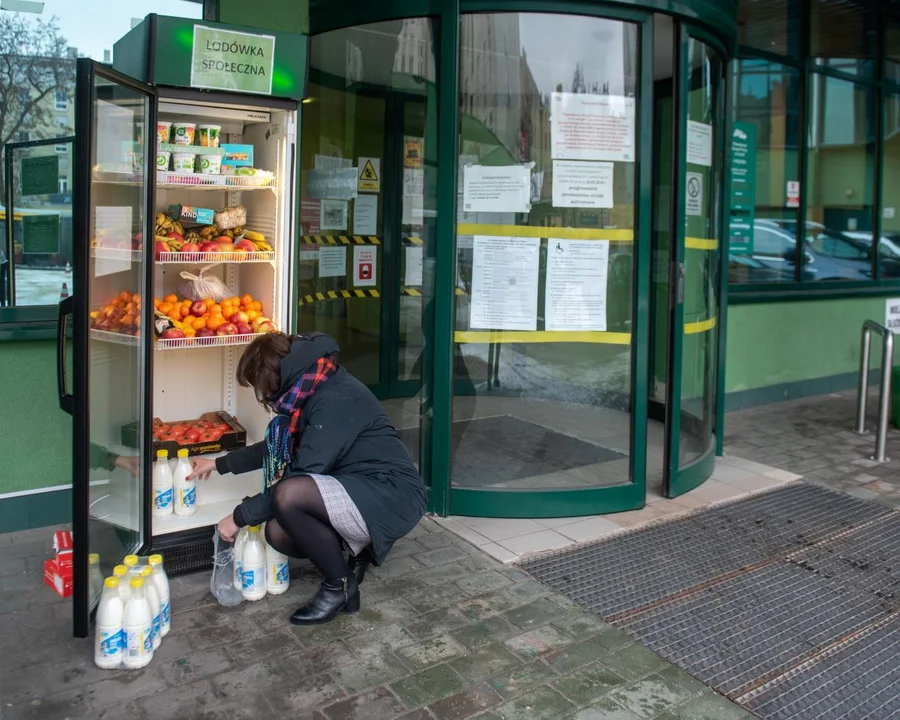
pixel 288 409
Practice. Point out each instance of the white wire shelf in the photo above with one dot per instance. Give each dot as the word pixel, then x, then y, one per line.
pixel 192 343
pixel 195 181
pixel 117 254
pixel 169 258
pixel 115 338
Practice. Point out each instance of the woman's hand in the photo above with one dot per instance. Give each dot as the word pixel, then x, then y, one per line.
pixel 228 528
pixel 203 468
pixel 128 464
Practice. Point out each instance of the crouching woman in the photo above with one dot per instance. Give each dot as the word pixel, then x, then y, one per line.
pixel 335 471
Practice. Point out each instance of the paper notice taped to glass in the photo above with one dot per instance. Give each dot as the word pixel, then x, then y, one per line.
pixel 333 215
pixel 592 127
pixel 332 261
pixel 333 183
pixel 504 188
pixel 504 283
pixel 694 194
pixel 365 215
pixel 414 265
pixel 699 144
pixel 577 275
pixel 582 184
pixel 113 230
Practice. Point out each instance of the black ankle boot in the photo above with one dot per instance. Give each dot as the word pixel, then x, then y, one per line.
pixel 358 564
pixel 328 602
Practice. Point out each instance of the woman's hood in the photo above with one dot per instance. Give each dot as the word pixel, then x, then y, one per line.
pixel 306 350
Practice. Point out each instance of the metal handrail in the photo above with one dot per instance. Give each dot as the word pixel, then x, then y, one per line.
pixel 884 398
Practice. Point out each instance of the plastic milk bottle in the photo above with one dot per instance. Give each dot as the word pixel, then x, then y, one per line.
pixel 155 605
pixel 253 566
pixel 108 635
pixel 132 562
pixel 161 581
pixel 185 490
pixel 238 555
pixel 138 623
pixel 96 576
pixel 120 572
pixel 163 501
pixel 277 571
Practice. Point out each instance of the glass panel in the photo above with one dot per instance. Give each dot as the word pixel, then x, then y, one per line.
pixel 766 104
pixel 372 111
pixel 844 35
pixel 42 226
pixel 841 163
pixel 118 377
pixel 889 246
pixel 701 257
pixel 892 50
pixel 771 25
pixel 544 251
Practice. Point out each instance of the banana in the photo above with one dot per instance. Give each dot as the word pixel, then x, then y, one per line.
pixel 160 218
pixel 254 236
pixel 263 246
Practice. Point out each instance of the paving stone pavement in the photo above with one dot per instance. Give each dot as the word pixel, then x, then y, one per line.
pixel 815 438
pixel 445 633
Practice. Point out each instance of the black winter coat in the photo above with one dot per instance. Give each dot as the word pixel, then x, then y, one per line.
pixel 345 433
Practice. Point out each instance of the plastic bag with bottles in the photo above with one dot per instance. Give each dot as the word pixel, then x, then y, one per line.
pixel 221 584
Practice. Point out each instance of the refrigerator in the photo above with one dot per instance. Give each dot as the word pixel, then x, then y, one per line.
pixel 148 222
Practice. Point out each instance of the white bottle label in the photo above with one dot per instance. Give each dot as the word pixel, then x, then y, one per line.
pixel 157 623
pixel 162 499
pixel 164 612
pixel 140 641
pixel 280 572
pixel 188 496
pixel 109 642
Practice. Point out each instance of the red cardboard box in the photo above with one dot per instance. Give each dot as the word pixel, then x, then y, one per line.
pixel 62 540
pixel 58 579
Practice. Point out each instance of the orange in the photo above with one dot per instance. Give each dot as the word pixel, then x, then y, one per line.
pixel 253 314
pixel 209 301
pixel 175 315
pixel 246 299
pixel 214 322
pixel 185 310
pixel 199 323
pixel 125 296
pixel 256 305
pixel 157 302
pixel 216 309
pixel 234 300
pixel 128 320
pixel 136 299
pixel 171 299
pixel 165 308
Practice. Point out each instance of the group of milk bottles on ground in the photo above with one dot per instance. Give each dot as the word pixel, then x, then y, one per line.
pixel 172 491
pixel 259 569
pixel 134 613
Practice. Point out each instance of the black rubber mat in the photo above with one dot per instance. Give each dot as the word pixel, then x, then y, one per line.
pixel 784 601
pixel 501 449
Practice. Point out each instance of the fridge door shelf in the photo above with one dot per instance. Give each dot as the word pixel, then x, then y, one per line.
pixel 194 181
pixel 115 338
pixel 124 255
pixel 170 258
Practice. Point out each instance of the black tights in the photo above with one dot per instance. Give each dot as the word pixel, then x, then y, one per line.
pixel 301 528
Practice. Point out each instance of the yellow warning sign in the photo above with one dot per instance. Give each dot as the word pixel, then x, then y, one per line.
pixel 369 174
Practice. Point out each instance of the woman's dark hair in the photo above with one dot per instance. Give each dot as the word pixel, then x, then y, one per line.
pixel 260 365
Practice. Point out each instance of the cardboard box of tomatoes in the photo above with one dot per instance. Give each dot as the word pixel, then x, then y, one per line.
pixel 212 432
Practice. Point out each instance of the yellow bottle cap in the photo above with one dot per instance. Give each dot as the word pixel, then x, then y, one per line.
pixel 94 558
pixel 253 528
pixel 120 570
pixel 137 582
pixel 147 571
pixel 155 560
pixel 111 583
pixel 162 453
pixel 130 560
pixel 183 453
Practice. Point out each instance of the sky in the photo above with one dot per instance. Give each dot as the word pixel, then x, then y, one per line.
pixel 93 26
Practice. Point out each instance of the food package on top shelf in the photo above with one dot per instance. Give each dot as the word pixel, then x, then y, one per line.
pixel 231 217
pixel 192 215
pixel 237 155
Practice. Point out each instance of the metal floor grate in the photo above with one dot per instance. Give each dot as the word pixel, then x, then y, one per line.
pixel 767 599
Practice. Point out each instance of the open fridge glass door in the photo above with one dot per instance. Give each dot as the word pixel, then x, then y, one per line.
pixel 223 218
pixel 111 206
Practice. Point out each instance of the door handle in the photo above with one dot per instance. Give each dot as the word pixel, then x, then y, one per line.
pixel 66 399
pixel 679 285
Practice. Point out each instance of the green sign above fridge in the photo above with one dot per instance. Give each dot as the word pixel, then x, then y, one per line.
pixel 184 53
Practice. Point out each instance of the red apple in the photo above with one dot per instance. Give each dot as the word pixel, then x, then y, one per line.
pixel 198 308
pixel 210 247
pixel 259 321
pixel 240 317
pixel 245 245
pixel 225 247
pixel 224 240
pixel 172 334
pixel 227 329
pixel 175 236
pixel 204 333
pixel 266 327
pixel 159 248
pixel 243 328
pixel 190 248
